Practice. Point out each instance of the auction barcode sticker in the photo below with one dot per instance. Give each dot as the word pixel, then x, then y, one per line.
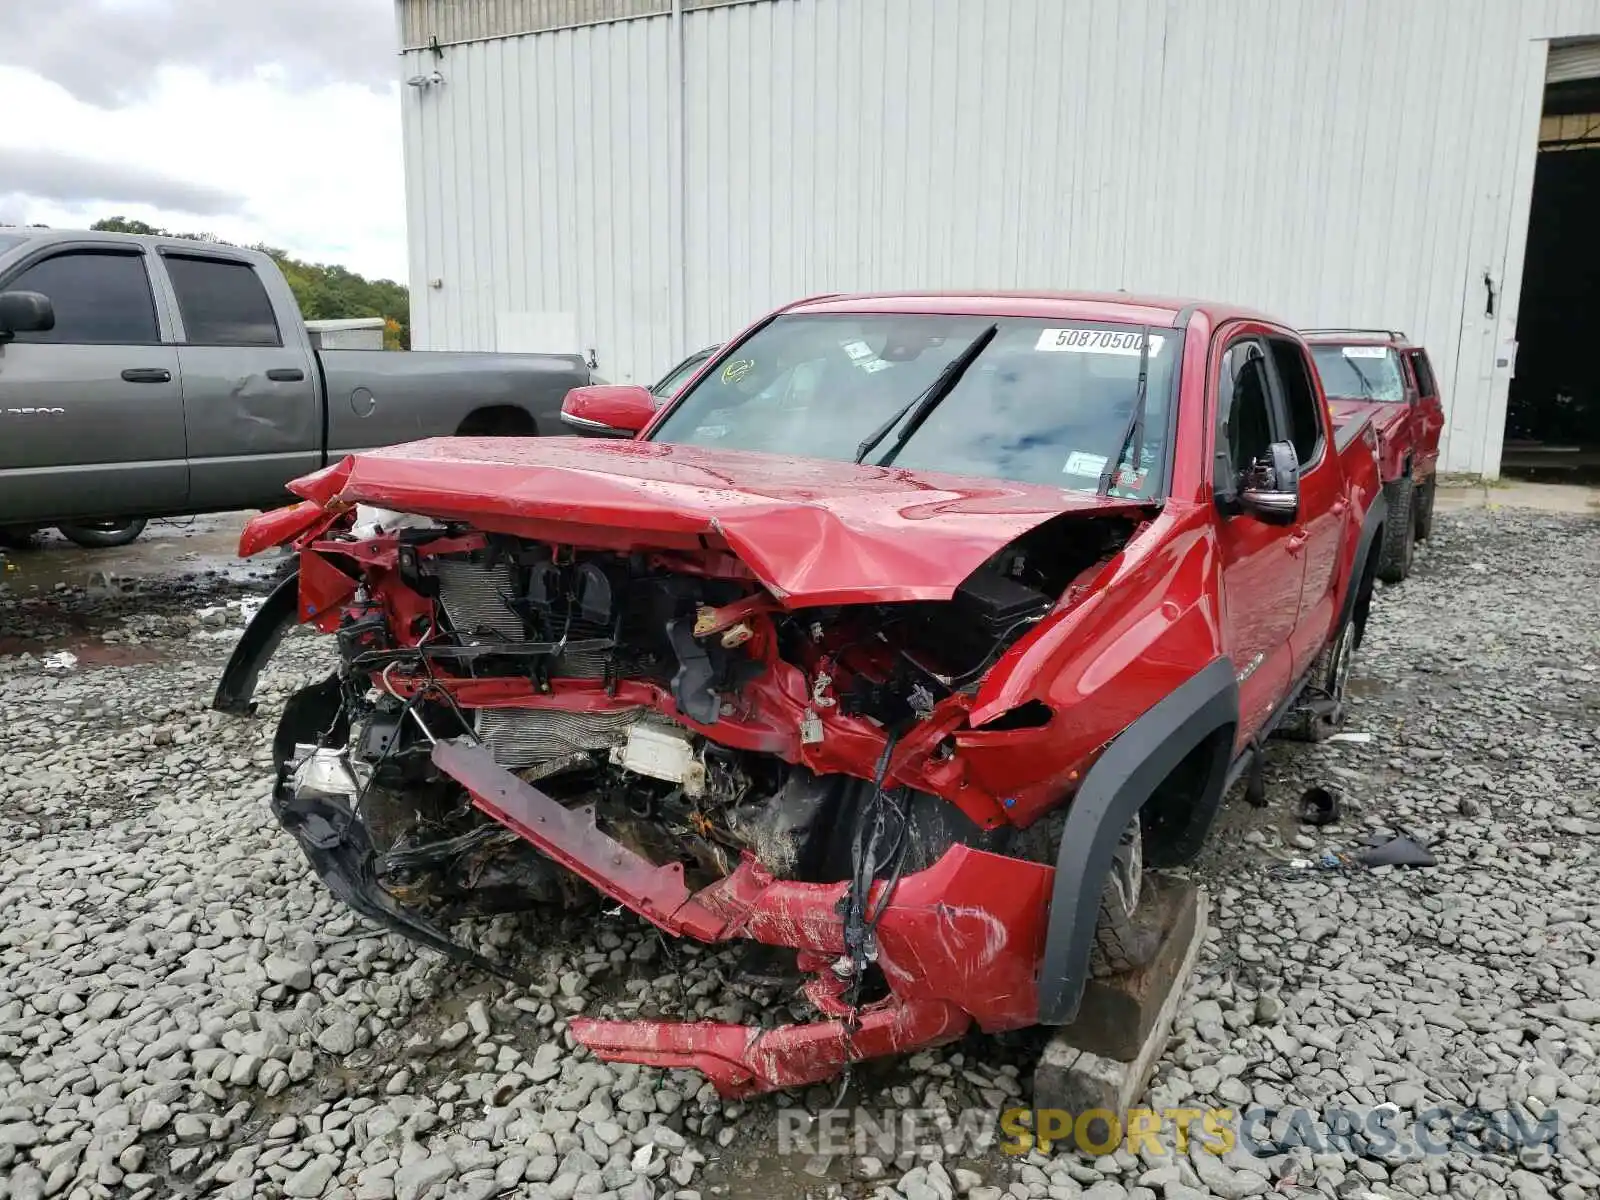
pixel 1365 351
pixel 1098 341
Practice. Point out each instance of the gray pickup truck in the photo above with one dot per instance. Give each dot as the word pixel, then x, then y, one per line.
pixel 149 377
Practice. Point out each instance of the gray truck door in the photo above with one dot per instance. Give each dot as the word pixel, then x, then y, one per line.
pixel 250 398
pixel 91 419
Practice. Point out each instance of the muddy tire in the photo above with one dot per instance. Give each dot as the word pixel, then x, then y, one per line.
pixel 102 535
pixel 16 537
pixel 1394 558
pixel 1126 935
pixel 1422 508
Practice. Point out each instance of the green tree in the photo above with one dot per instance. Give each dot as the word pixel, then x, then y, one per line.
pixel 323 292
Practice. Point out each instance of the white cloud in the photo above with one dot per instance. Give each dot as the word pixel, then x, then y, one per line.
pixel 110 52
pixel 315 170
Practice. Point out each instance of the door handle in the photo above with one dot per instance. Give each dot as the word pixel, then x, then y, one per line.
pixel 147 375
pixel 286 374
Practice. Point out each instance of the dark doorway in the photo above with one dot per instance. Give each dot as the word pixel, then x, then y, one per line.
pixel 1553 411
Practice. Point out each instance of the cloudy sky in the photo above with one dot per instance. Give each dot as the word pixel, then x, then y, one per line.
pixel 272 121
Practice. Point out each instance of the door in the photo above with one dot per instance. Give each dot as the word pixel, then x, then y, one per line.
pixel 251 404
pixel 91 419
pixel 1322 503
pixel 1261 570
pixel 1428 422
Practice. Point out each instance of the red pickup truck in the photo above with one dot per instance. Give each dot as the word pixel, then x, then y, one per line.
pixel 903 638
pixel 1381 376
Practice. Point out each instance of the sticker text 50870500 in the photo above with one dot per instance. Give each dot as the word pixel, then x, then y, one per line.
pixel 1097 341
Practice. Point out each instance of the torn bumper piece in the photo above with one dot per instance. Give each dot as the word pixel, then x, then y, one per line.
pixel 958 943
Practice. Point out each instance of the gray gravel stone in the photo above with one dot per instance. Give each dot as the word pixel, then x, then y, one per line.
pixel 170 963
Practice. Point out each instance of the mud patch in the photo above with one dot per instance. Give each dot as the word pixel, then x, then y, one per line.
pixel 90 653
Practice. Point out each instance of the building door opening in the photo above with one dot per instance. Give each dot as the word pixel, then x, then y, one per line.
pixel 1553 410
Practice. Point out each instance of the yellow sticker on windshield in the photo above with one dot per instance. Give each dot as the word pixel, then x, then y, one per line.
pixel 738 369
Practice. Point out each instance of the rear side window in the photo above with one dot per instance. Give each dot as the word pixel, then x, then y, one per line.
pixel 1426 386
pixel 99 299
pixel 1299 399
pixel 223 303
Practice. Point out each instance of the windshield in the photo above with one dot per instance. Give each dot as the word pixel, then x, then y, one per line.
pixel 1360 372
pixel 1048 402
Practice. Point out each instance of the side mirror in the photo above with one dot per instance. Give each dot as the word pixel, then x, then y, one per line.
pixel 1269 490
pixel 609 409
pixel 25 312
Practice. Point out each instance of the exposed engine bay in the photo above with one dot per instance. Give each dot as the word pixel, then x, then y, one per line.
pixel 516 723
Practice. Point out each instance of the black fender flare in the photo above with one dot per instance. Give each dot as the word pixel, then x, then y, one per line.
pixel 1358 593
pixel 1113 790
pixel 256 646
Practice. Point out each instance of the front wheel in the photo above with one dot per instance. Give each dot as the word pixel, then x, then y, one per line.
pixel 103 535
pixel 1126 936
pixel 1394 558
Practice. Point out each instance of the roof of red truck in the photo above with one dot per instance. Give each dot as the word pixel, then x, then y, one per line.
pixel 1357 337
pixel 1077 306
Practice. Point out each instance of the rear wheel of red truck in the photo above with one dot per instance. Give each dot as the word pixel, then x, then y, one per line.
pixel 1422 506
pixel 1321 709
pixel 1123 938
pixel 1394 558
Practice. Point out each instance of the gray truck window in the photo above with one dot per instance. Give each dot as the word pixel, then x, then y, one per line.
pixel 223 303
pixel 99 299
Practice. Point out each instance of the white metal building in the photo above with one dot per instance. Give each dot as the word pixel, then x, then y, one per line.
pixel 644 177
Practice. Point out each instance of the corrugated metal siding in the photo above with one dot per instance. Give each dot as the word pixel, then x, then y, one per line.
pixel 1361 162
pixel 452 21
pixel 536 184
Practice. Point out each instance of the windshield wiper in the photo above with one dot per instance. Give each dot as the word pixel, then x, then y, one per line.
pixel 1366 384
pixel 1135 428
pixel 921 405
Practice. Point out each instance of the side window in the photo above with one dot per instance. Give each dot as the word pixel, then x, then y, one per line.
pixel 1426 386
pixel 1245 411
pixel 99 299
pixel 1299 399
pixel 679 375
pixel 223 303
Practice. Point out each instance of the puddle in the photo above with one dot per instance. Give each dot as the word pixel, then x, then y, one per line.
pixel 201 545
pixel 87 652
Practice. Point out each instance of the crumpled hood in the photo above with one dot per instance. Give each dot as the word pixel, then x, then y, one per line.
pixel 1385 416
pixel 812 531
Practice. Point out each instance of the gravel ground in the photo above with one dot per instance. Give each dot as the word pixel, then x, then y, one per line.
pixel 185 1011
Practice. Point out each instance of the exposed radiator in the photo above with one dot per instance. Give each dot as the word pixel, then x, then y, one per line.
pixel 474 598
pixel 520 737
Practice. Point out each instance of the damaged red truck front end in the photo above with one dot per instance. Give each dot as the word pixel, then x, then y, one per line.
pixel 922 729
pixel 728 711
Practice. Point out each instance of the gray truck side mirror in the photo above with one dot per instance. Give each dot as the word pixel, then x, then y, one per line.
pixel 25 312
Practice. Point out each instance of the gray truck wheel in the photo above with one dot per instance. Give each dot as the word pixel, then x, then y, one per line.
pixel 1123 938
pixel 16 537
pixel 102 535
pixel 1394 559
pixel 1422 504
